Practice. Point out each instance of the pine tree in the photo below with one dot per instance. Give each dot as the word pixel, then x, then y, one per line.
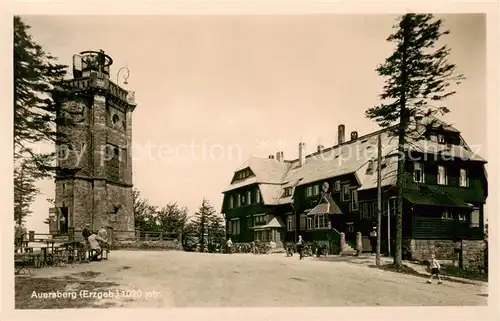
pixel 418 76
pixel 202 220
pixel 25 191
pixel 35 114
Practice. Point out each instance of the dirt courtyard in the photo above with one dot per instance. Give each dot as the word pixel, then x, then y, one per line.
pixel 180 279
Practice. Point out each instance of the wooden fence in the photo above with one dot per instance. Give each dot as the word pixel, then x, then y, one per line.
pixel 138 235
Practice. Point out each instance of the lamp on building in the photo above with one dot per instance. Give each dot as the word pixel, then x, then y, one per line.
pixel 125 77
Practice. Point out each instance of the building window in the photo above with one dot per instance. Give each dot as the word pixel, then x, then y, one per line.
pixel 235 226
pixel 290 223
pixel 309 191
pixel 440 138
pixel 365 211
pixel 259 219
pixel 261 236
pixel 302 222
pixel 243 201
pixel 433 138
pixel 442 179
pixel 231 201
pixel 249 221
pixel 418 172
pixel 354 200
pixel 374 209
pixel 474 218
pixel 309 223
pixel 464 179
pixel 316 190
pixel 238 200
pixel 321 221
pixel 462 217
pixel 287 192
pixel 346 193
pixel 446 215
pixel 249 197
pixel 229 230
pixel 257 196
pixel 337 186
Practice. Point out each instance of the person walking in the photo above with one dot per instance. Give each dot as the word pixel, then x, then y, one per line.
pixel 229 245
pixel 435 269
pixel 300 247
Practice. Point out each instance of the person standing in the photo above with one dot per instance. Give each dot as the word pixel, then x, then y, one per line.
pixel 373 240
pixel 300 247
pixel 435 269
pixel 229 245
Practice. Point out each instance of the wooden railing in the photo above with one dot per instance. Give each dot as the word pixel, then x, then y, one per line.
pixel 138 235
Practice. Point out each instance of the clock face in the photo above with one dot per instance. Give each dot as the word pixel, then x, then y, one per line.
pixel 325 187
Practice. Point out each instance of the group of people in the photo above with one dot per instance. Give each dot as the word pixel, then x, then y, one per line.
pixel 97 242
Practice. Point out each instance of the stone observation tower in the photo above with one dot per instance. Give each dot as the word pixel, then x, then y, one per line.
pixel 94 183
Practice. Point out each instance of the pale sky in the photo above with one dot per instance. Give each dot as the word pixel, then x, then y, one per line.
pixel 248 85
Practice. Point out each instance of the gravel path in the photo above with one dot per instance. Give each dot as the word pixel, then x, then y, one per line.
pixel 180 279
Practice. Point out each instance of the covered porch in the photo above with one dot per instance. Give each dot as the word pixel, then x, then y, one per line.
pixel 270 232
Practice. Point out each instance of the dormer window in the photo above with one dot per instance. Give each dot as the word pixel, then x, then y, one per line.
pixel 287 192
pixel 243 174
pixel 316 190
pixel 440 138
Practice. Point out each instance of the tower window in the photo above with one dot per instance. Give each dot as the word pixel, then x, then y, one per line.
pixel 115 119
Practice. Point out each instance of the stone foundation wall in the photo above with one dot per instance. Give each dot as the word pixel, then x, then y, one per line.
pixel 473 254
pixel 447 250
pixel 423 249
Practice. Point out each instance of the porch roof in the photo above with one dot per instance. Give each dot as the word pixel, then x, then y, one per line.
pixel 428 196
pixel 274 223
pixel 327 205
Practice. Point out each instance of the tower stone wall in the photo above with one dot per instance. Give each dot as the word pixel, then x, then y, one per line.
pixel 94 184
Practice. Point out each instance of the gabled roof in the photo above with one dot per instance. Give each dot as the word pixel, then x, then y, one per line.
pixel 351 157
pixel 326 205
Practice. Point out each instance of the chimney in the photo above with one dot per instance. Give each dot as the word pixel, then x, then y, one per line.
pixel 354 135
pixel 302 154
pixel 279 157
pixel 320 148
pixel 341 134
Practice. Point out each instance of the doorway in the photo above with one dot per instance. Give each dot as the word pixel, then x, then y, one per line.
pixel 63 221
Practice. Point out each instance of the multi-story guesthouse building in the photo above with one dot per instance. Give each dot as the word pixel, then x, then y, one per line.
pixel 334 190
